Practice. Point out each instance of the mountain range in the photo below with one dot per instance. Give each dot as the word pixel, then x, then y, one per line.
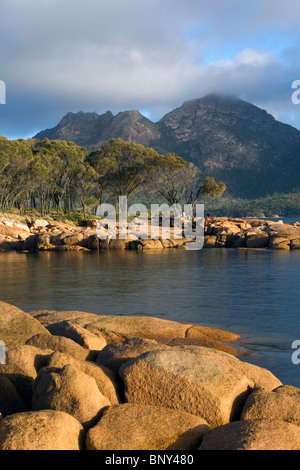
pixel 226 137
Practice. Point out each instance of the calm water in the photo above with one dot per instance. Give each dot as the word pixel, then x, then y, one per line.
pixel 253 293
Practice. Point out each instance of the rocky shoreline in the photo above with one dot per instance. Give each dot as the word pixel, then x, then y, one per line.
pixel 43 235
pixel 78 381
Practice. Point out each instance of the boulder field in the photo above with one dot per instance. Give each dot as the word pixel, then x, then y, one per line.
pixel 43 235
pixel 79 381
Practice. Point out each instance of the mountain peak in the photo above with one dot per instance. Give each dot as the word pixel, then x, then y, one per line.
pixel 223 103
pixel 80 116
pixel 228 138
pixel 214 99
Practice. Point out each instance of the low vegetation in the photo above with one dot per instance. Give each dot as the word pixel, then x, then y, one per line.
pixel 282 205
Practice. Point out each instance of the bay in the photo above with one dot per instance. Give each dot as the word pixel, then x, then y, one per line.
pixel 254 293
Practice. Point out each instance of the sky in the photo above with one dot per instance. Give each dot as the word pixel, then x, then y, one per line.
pixel 58 56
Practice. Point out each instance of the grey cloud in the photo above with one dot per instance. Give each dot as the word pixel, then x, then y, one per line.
pixel 91 55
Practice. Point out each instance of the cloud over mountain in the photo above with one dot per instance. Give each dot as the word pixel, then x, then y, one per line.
pixel 93 55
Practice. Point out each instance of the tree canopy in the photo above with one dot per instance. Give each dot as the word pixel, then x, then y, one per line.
pixel 61 176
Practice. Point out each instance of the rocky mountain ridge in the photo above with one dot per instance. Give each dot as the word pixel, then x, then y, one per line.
pixel 228 138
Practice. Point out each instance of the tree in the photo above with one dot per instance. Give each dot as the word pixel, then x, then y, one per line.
pixel 167 179
pixel 122 167
pixel 40 174
pixel 179 181
pixel 68 157
pixel 46 174
pixel 58 174
pixel 209 187
pixel 15 159
pixel 85 186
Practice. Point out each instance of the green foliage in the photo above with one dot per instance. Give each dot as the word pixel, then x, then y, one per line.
pixel 283 205
pixel 122 167
pixel 60 176
pixel 213 189
pixel 77 218
pixel 179 181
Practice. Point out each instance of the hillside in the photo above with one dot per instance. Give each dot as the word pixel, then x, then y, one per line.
pixel 228 138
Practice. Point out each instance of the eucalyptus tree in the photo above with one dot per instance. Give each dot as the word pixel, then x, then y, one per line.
pixel 15 159
pixel 85 186
pixel 178 181
pixel 122 167
pixel 67 157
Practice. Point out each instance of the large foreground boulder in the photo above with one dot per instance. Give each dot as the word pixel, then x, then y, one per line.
pixel 17 326
pixel 80 335
pixel 118 328
pixel 212 338
pixel 283 403
pixel 203 384
pixel 199 331
pixel 49 317
pixel 42 430
pixel 140 427
pixel 69 390
pixel 21 367
pixel 207 343
pixel 257 434
pixel 59 344
pixel 259 376
pixel 116 354
pixel 107 381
